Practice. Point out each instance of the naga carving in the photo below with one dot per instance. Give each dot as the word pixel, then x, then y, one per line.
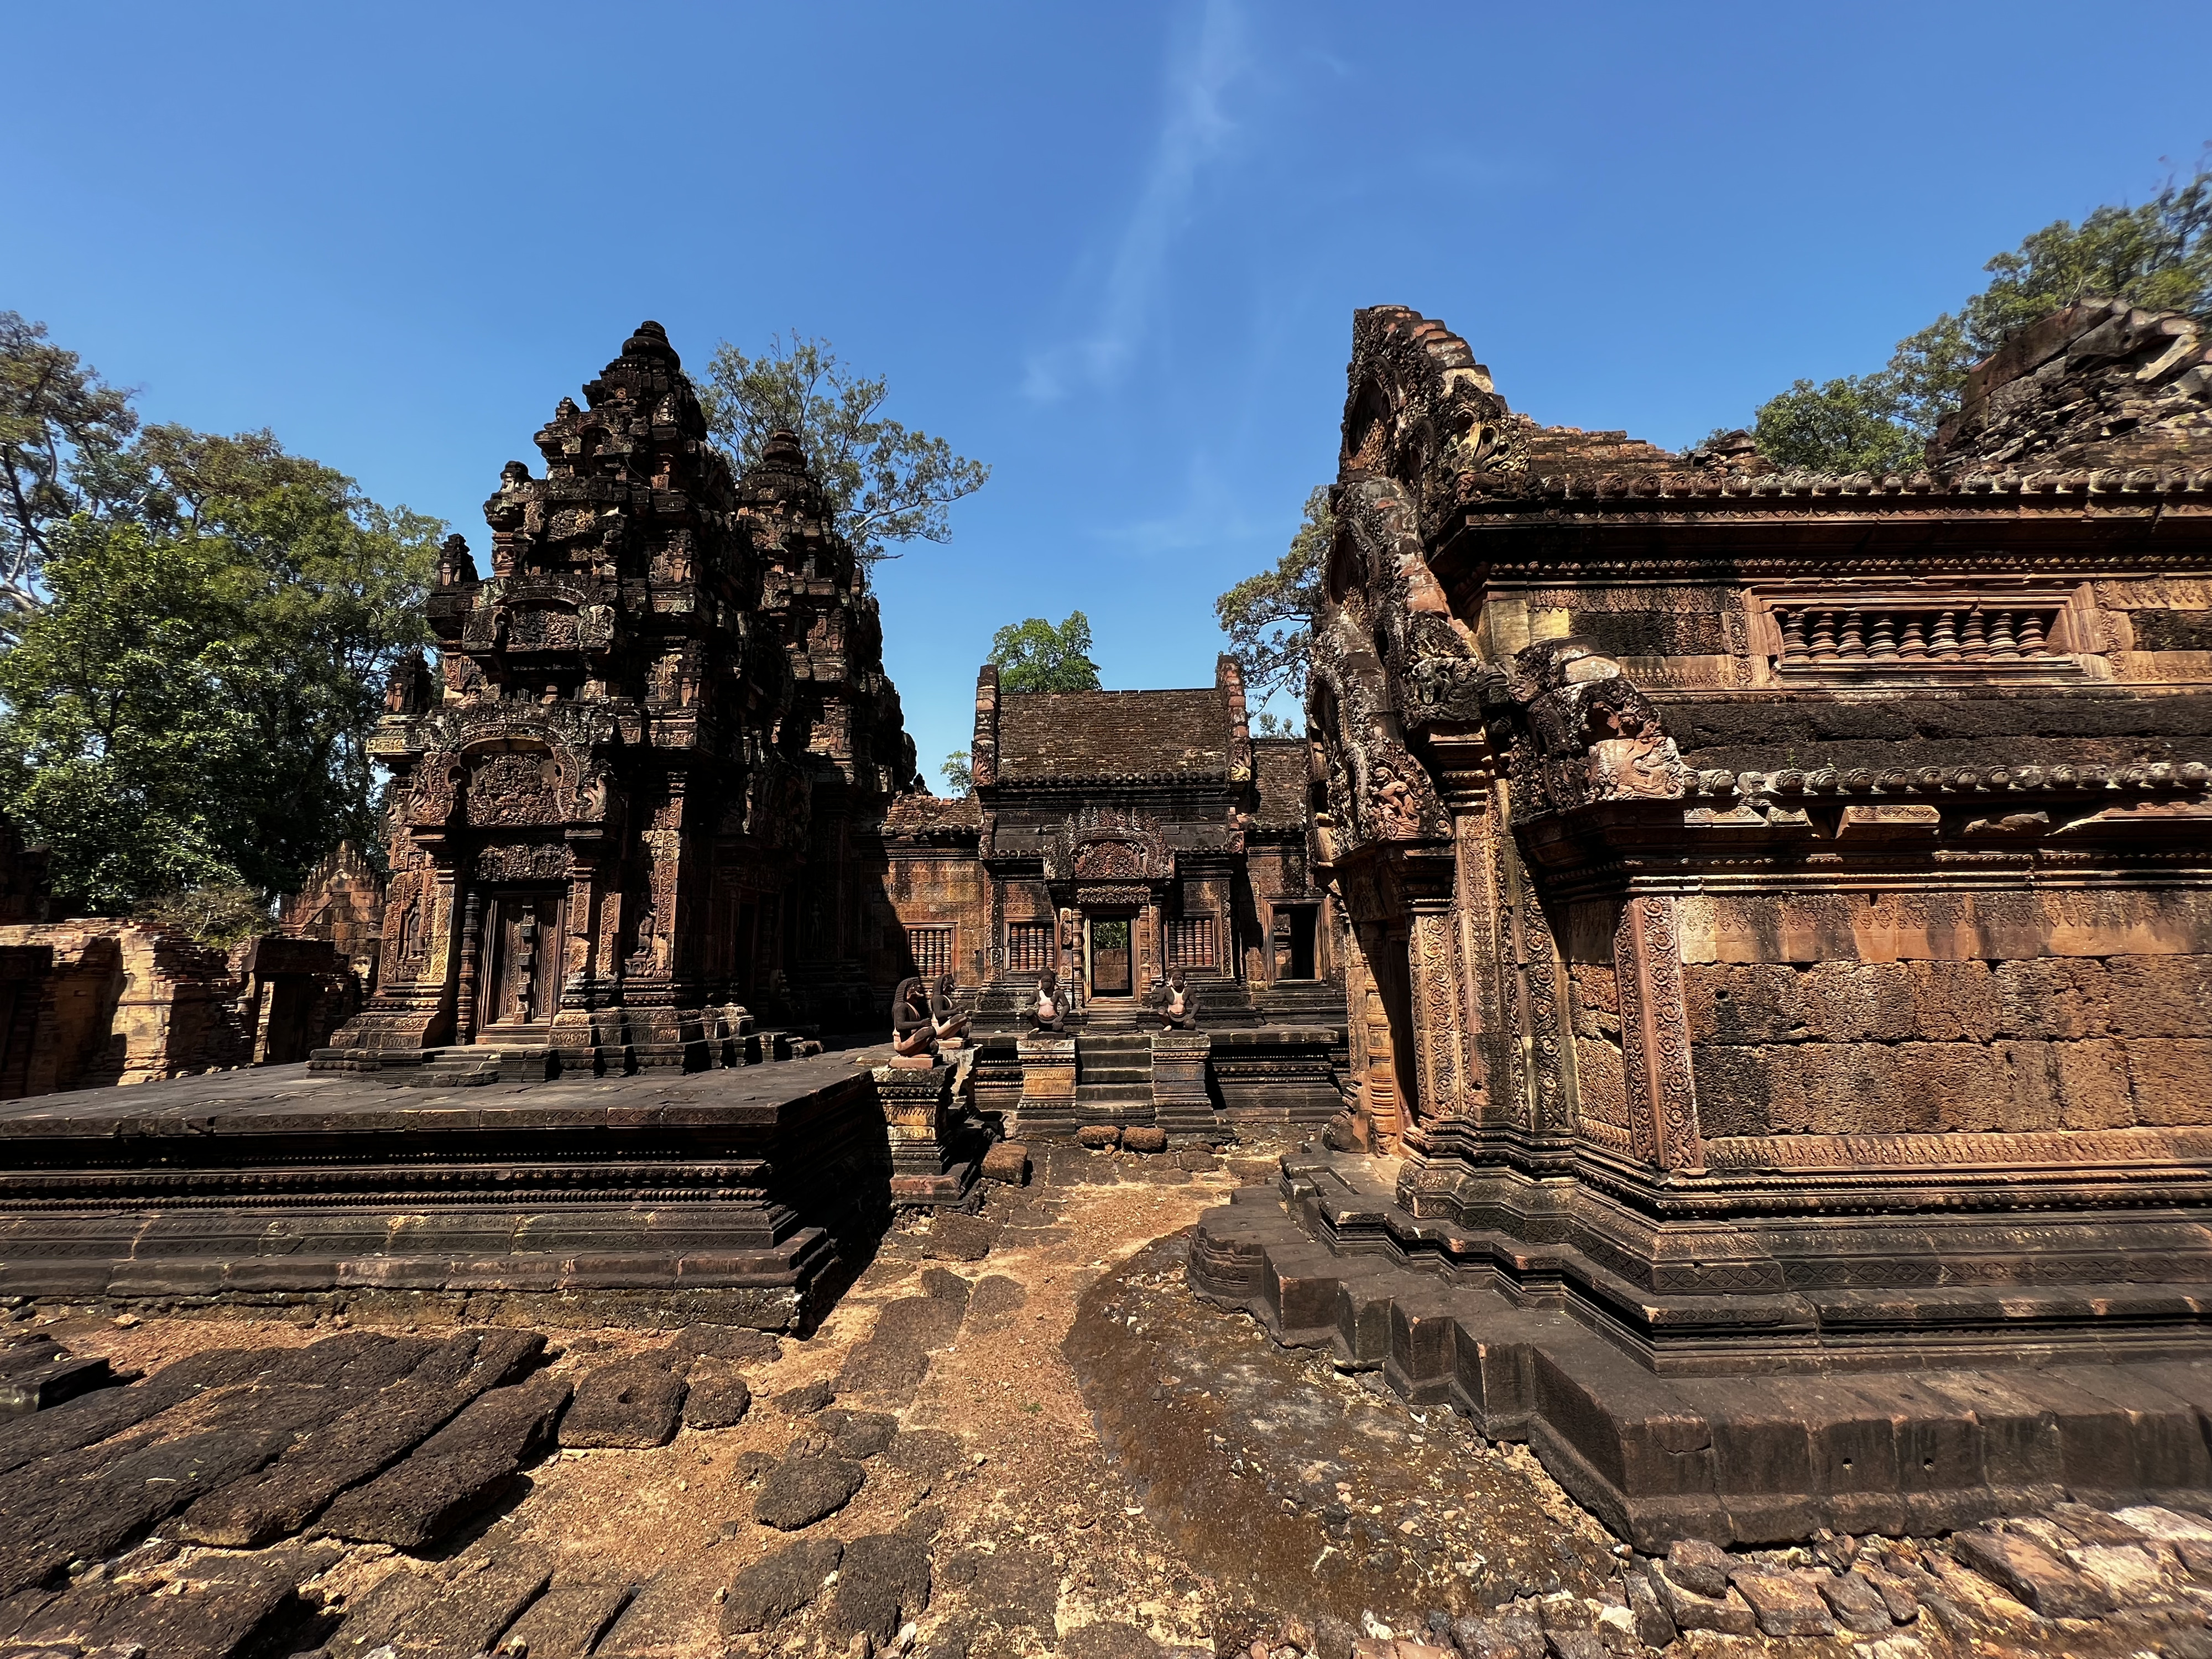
pixel 1576 730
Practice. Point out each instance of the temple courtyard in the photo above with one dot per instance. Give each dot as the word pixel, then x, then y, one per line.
pixel 1013 1432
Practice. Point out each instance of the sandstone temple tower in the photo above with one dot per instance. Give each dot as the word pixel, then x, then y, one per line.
pixel 618 821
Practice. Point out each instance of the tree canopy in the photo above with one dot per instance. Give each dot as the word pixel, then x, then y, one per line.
pixel 64 434
pixel 958 772
pixel 2157 255
pixel 1269 618
pixel 201 647
pixel 886 483
pixel 1037 656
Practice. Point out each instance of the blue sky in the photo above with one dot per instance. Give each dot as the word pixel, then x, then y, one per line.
pixel 1112 251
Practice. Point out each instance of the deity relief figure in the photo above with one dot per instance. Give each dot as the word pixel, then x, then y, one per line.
pixel 1049 1009
pixel 1392 798
pixel 1177 1008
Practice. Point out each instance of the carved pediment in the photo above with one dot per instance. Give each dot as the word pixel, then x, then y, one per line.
pixel 511 789
pixel 1103 844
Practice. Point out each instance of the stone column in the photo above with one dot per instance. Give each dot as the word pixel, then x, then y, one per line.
pixel 465 1009
pixel 934 1155
pixel 1182 1105
pixel 1655 1036
pixel 1047 1102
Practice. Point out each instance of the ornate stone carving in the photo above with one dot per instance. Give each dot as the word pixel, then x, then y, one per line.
pixel 522 861
pixel 511 790
pixel 1655 1036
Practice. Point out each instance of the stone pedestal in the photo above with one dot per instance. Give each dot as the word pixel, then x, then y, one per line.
pixel 1181 1103
pixel 1048 1106
pixel 936 1149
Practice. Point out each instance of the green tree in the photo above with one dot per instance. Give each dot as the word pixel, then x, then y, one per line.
pixel 1269 618
pixel 1847 425
pixel 121 748
pixel 1035 656
pixel 202 643
pixel 885 482
pixel 959 774
pixel 2157 255
pixel 64 441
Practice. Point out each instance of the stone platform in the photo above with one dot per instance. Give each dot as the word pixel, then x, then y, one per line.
pixel 1328 1259
pixel 765 1184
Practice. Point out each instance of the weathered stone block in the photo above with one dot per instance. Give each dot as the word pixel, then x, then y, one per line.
pixel 2171 1079
pixel 1747 1002
pixel 2056 996
pixel 1953 1001
pixel 1596 1004
pixel 1728 1612
pixel 1008 1161
pixel 630 1404
pixel 2092 1084
pixel 2031 1572
pixel 1785 1605
pixel 800 1491
pixel 2031 1083
pixel 1956 1082
pixel 2160 996
pixel 1861 1002
pixel 1597 1069
pixel 773 1589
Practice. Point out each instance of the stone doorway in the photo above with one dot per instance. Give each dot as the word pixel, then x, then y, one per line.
pixel 1109 955
pixel 1294 941
pixel 522 974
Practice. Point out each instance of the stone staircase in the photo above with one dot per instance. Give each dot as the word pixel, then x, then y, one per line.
pixel 1302 1002
pixel 1111 1014
pixel 1112 1078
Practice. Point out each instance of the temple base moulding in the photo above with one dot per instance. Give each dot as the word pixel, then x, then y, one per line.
pixel 1758 1454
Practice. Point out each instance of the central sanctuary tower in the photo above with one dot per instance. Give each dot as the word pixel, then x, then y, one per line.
pixel 619 824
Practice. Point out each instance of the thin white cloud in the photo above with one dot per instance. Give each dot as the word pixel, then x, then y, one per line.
pixel 1194 130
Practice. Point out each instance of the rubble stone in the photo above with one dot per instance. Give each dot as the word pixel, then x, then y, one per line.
pixel 717 1399
pixel 883 1582
pixel 2032 1574
pixel 1728 1614
pixel 770 1590
pixel 630 1404
pixel 800 1491
pixel 1858 1606
pixel 1699 1566
pixel 1784 1605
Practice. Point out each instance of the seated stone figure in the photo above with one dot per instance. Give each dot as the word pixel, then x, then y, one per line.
pixel 1176 1010
pixel 912 1031
pixel 948 1023
pixel 1049 1009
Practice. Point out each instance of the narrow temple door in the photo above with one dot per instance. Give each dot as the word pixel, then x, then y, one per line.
pixel 1109 957
pixel 524 984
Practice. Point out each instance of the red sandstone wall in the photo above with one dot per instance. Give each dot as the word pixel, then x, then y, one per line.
pixel 1896 1013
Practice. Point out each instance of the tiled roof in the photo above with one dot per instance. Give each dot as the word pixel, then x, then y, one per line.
pixel 1284 765
pixel 917 814
pixel 1045 736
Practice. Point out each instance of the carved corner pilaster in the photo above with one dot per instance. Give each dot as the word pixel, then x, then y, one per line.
pixel 1655 1036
